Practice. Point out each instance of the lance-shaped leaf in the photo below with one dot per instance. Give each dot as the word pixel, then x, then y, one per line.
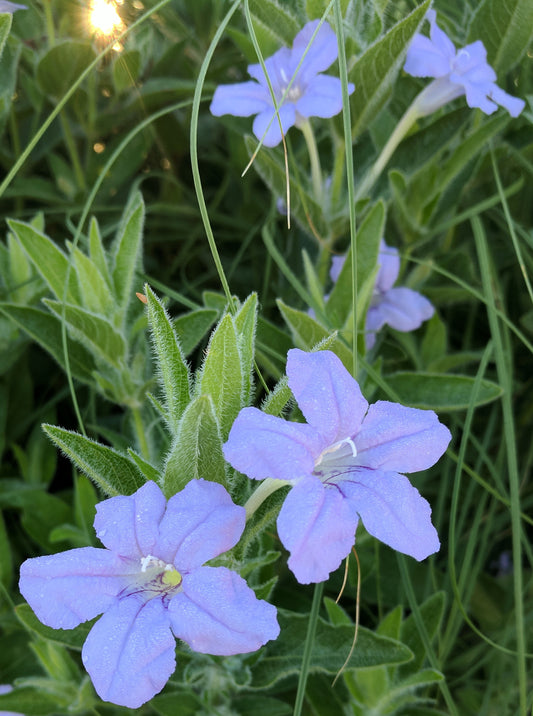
pixel 48 259
pixel 431 613
pixel 73 638
pixel 245 325
pixel 95 293
pixel 127 251
pixel 96 333
pixel 192 327
pixel 197 448
pixel 376 70
pixel 276 18
pixel 5 26
pixel 441 392
pixel 283 657
pixel 114 473
pixel 505 28
pixel 221 374
pixel 369 235
pixel 45 329
pixel 97 252
pixel 172 369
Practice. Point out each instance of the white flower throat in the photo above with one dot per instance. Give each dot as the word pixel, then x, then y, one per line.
pixel 333 461
pixel 294 92
pixel 155 579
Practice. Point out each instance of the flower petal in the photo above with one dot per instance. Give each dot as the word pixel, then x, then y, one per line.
pixel 317 525
pixel 439 38
pixel 200 523
pixel 71 587
pixel 321 54
pixel 395 437
pixel 261 445
pixel 393 511
pixel 514 105
pixel 322 97
pixel 266 124
pixel 129 652
pixel 389 266
pixel 217 613
pixel 129 525
pixel 425 59
pixel 241 100
pixel 404 309
pixel 328 396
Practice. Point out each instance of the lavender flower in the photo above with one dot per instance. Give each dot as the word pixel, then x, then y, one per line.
pixel 151 586
pixel 343 464
pixel 464 72
pixel 400 308
pixel 310 94
pixel 6 6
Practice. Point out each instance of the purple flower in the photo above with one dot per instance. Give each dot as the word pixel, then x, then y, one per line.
pixel 310 94
pixel 6 6
pixel 400 308
pixel 464 72
pixel 343 464
pixel 151 586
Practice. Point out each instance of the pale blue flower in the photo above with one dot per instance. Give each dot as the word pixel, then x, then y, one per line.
pixel 343 464
pixel 310 94
pixel 6 6
pixel 400 308
pixel 457 72
pixel 151 587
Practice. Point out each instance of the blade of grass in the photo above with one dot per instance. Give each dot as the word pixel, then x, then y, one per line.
pixel 503 369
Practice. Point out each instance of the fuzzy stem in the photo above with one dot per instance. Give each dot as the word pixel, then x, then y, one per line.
pixel 265 489
pixel 316 171
pixel 403 126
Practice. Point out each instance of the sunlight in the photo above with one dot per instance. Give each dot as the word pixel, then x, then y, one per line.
pixel 104 17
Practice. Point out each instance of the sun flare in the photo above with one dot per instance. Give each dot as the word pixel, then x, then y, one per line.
pixel 104 18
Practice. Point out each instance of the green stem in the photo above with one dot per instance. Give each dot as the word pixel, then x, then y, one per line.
pixel 308 648
pixel 314 159
pixel 73 152
pixel 141 435
pixel 265 489
pixel 49 19
pixel 403 126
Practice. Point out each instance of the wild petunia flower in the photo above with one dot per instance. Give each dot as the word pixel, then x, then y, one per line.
pixel 310 94
pixel 400 308
pixel 11 7
pixel 151 587
pixel 343 464
pixel 456 73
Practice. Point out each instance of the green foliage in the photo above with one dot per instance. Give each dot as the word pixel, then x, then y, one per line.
pixel 506 30
pixel 440 392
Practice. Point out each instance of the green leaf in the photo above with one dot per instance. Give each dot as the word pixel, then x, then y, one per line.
pixel 114 473
pixel 369 235
pixel 6 561
pixel 221 374
pixel 197 449
pixel 147 469
pixel 440 392
pixel 307 333
pixel 277 19
pixel 505 28
pixel 431 612
pixel 283 657
pixel 375 72
pixel 72 57
pixel 48 259
pixel 127 249
pixel 177 703
pixel 45 329
pixel 126 68
pixel 245 324
pixel 48 697
pixel 73 638
pixel 97 334
pixel 192 327
pixel 97 252
pixel 173 372
pixel 6 18
pixel 95 293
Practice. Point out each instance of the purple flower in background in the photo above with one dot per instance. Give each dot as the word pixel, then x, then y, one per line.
pixel 310 94
pixel 400 308
pixel 151 586
pixel 457 72
pixel 343 464
pixel 6 6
